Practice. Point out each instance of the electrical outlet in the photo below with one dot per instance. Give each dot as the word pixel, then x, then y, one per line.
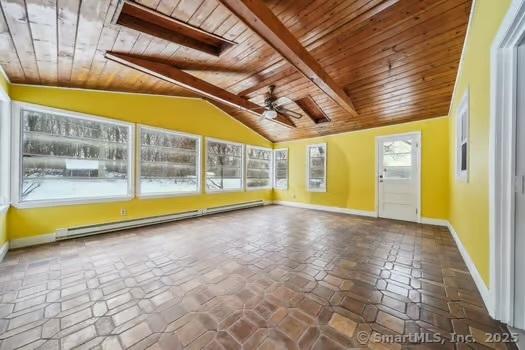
pixel 123 212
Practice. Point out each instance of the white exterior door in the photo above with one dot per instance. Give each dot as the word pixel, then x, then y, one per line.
pixel 398 176
pixel 519 254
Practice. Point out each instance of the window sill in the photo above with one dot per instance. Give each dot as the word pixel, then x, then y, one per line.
pixel 60 203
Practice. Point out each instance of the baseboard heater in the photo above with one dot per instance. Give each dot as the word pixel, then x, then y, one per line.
pixel 88 230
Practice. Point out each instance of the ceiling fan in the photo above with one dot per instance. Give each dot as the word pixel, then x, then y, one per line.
pixel 273 106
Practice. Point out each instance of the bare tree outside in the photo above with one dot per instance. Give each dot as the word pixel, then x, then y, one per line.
pixel 258 169
pixel 281 168
pixel 224 166
pixel 68 157
pixel 169 162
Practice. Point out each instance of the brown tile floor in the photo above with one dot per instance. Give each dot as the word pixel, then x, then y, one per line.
pixel 266 278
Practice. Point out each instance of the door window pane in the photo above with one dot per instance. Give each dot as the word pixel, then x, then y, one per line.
pixel 397 159
pixel 169 162
pixel 66 157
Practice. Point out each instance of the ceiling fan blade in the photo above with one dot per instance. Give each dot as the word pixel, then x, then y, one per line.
pixel 281 101
pixel 259 108
pixel 290 113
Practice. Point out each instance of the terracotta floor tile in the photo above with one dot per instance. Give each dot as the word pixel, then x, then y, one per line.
pixel 252 279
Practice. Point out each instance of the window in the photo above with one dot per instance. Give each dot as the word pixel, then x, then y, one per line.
pixel 462 138
pixel 280 157
pixel 224 165
pixel 5 147
pixel 397 159
pixel 316 168
pixel 169 163
pixel 67 157
pixel 258 167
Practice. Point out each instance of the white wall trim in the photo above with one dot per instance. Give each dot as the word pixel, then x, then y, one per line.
pixel 502 147
pixel 359 212
pixel 482 287
pixel 33 240
pixel 3 250
pixel 434 221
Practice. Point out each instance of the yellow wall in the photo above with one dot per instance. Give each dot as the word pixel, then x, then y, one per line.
pixel 469 202
pixel 3 227
pixel 182 114
pixel 351 168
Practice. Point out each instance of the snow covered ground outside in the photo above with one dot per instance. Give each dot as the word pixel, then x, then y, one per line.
pixel 167 186
pixel 57 188
pixel 73 189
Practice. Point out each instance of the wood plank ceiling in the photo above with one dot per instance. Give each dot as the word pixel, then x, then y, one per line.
pixel 396 59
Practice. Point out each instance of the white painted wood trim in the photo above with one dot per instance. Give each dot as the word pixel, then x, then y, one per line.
pixel 501 161
pixel 3 250
pixel 16 157
pixel 138 163
pixel 33 240
pixel 419 157
pixel 480 284
pixel 325 188
pixel 327 208
pixel 434 221
pixel 464 107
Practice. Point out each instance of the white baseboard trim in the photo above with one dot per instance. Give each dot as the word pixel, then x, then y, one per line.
pixel 435 222
pixel 33 240
pixel 3 250
pixel 482 287
pixel 367 213
pixel 52 237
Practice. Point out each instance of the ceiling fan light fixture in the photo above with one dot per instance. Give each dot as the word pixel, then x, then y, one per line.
pixel 270 114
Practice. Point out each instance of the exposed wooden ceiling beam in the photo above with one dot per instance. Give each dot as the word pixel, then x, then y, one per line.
pixel 176 76
pixel 143 19
pixel 256 15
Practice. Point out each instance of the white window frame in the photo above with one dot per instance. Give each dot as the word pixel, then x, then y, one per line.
pixel 285 188
pixel 323 189
pixel 246 148
pixel 17 107
pixel 5 151
pixel 138 190
pixel 205 182
pixel 463 111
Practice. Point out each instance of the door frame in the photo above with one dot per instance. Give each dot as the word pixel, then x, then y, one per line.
pixel 502 153
pixel 417 134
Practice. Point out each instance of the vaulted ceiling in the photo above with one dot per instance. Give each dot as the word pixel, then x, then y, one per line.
pixel 395 59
